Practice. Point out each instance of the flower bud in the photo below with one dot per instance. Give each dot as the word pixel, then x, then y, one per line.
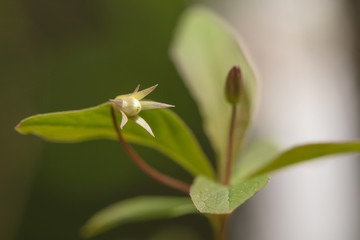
pixel 129 105
pixel 234 85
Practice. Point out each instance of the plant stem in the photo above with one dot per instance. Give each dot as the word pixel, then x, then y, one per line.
pixel 230 150
pixel 153 173
pixel 220 224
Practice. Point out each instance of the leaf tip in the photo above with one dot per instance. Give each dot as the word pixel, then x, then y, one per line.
pixel 85 232
pixel 18 128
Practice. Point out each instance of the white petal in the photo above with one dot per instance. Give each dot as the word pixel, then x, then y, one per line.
pixel 143 93
pixel 117 102
pixel 123 120
pixel 143 123
pixel 137 88
pixel 152 105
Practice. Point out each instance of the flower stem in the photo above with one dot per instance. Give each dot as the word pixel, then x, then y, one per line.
pixel 220 225
pixel 153 173
pixel 230 150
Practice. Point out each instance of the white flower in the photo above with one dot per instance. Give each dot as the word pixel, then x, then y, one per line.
pixel 130 105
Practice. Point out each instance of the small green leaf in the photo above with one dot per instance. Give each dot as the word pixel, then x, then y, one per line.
pixel 252 158
pixel 204 49
pixel 214 198
pixel 137 210
pixel 306 152
pixel 172 137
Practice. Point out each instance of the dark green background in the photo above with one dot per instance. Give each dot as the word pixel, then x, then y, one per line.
pixel 63 55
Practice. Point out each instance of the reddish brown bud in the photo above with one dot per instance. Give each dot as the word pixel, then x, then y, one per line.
pixel 234 85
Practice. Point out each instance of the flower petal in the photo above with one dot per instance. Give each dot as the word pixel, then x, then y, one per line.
pixel 123 120
pixel 137 88
pixel 152 105
pixel 143 93
pixel 117 102
pixel 143 123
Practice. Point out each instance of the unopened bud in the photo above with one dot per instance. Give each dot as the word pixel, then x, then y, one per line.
pixel 234 85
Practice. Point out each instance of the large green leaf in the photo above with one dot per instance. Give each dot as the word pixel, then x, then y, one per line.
pixel 204 49
pixel 304 153
pixel 172 136
pixel 214 198
pixel 137 210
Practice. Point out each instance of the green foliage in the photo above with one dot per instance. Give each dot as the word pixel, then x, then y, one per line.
pixel 204 49
pixel 304 153
pixel 137 210
pixel 214 198
pixel 173 137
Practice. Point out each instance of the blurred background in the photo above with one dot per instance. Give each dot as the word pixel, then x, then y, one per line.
pixel 63 55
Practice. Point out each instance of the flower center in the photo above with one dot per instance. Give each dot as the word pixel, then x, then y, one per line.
pixel 131 106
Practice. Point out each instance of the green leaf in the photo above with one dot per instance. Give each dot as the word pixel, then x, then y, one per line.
pixel 307 152
pixel 137 210
pixel 172 137
pixel 214 198
pixel 253 158
pixel 203 50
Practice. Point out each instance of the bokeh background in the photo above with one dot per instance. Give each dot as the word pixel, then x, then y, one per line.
pixel 63 55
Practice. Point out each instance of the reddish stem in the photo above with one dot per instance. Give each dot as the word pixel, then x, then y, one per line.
pixel 160 177
pixel 230 150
